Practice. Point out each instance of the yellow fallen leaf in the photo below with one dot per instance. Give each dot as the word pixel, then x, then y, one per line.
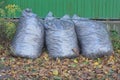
pixel 118 51
pixel 96 64
pixel 100 66
pixel 106 72
pixel 55 72
pixel 113 67
pixel 83 58
pixel 46 57
pixel 75 61
pixel 111 60
pixel 14 66
pixel 18 63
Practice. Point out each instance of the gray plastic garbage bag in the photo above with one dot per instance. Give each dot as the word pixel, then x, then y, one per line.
pixel 61 38
pixel 29 38
pixel 93 37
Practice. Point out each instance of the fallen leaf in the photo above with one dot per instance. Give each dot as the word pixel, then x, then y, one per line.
pixel 55 72
pixel 75 61
pixel 118 51
pixel 96 63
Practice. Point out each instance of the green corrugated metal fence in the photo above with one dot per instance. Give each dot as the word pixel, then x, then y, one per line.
pixel 96 9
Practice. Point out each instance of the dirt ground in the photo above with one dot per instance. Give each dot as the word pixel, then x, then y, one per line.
pixel 46 68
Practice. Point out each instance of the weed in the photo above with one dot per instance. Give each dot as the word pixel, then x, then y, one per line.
pixel 115 37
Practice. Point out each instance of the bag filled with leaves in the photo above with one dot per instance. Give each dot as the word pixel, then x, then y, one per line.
pixel 29 38
pixel 61 40
pixel 93 37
